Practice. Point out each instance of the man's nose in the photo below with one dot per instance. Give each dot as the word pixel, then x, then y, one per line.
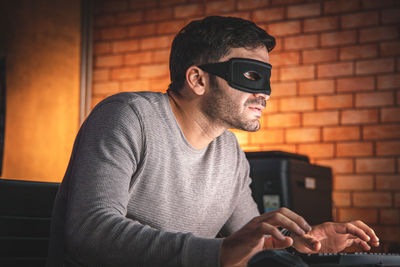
pixel 265 96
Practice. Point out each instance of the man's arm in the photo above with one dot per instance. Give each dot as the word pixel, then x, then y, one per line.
pixel 102 171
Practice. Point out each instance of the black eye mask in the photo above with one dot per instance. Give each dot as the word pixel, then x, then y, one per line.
pixel 248 75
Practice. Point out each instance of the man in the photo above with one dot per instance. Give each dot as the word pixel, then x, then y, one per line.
pixel 153 178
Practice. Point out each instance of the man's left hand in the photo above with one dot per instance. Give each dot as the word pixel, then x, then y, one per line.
pixel 332 237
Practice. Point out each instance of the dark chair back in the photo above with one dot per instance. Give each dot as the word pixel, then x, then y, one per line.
pixel 25 215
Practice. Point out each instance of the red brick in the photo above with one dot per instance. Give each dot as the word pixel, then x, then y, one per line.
pixel 375 66
pixel 268 14
pixel 341 133
pixel 378 34
pixel 189 10
pixel 372 199
pixel 388 182
pixel 153 70
pixel 101 75
pixel 301 42
pixel 374 99
pixel 302 135
pixel 155 42
pixel 391 16
pixel 388 233
pixel 296 104
pixel 341 199
pixel 283 59
pixel 335 69
pixel 390 114
pixel 356 84
pixel 397 199
pixel 317 150
pixel 138 58
pixel 170 26
pixel 220 6
pixel 159 84
pixel 272 106
pixel 160 56
pixel 320 24
pixel 335 101
pixel 390 48
pixel 354 149
pixel 283 120
pixel 125 46
pixel 320 55
pixel 129 18
pixel 359 116
pixel 284 89
pixel 362 19
pixel 338 165
pixel 243 14
pixel 341 6
pixel 241 136
pixel 135 4
pixel 157 14
pixel 124 73
pixel 305 10
pixel 251 4
pixel 268 136
pixel 105 88
pixel 272 147
pixel 374 4
pixel 136 85
pixel 171 2
pixel 101 48
pixel 107 61
pixel 321 118
pixel 376 132
pixel 284 28
pixel 316 87
pixel 375 165
pixel 339 38
pixel 142 30
pixel 358 52
pixel 114 33
pixel 297 73
pixel 390 216
pixel 104 20
pixel 388 148
pixel 391 81
pixel 353 182
pixel 114 6
pixel 366 215
pixel 284 2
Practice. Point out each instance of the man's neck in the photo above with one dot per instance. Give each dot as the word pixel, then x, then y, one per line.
pixel 198 130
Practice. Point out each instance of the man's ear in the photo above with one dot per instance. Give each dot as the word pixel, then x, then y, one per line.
pixel 195 78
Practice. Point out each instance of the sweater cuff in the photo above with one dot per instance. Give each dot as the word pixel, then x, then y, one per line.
pixel 202 252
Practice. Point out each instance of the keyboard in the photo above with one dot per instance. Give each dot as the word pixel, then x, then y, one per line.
pixel 352 259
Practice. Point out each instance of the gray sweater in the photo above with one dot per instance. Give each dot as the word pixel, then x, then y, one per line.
pixel 136 193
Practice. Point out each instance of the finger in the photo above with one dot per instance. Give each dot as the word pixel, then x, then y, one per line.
pixel 362 245
pixel 268 229
pixel 272 243
pixel 313 244
pixel 368 230
pixel 350 228
pixel 296 218
pixel 278 219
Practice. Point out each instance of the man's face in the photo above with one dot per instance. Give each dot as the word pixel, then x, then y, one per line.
pixel 231 107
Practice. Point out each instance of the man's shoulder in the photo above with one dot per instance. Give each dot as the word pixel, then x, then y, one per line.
pixel 136 99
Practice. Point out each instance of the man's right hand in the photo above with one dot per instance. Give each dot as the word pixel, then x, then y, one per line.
pixel 261 233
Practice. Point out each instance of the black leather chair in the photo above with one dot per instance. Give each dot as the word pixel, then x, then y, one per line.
pixel 25 214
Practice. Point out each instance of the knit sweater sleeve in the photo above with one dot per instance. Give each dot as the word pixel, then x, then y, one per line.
pixel 102 170
pixel 246 208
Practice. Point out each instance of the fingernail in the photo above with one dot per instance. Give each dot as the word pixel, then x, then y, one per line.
pixel 308 227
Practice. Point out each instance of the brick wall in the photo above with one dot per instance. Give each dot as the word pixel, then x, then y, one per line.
pixel 335 85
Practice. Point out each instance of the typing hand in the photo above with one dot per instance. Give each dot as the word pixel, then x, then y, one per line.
pixel 261 233
pixel 334 237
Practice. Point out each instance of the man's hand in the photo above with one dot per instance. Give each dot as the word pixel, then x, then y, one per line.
pixel 261 233
pixel 334 237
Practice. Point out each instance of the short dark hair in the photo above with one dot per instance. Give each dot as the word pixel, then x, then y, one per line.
pixel 208 40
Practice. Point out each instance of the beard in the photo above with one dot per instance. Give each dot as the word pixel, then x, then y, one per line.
pixel 221 108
